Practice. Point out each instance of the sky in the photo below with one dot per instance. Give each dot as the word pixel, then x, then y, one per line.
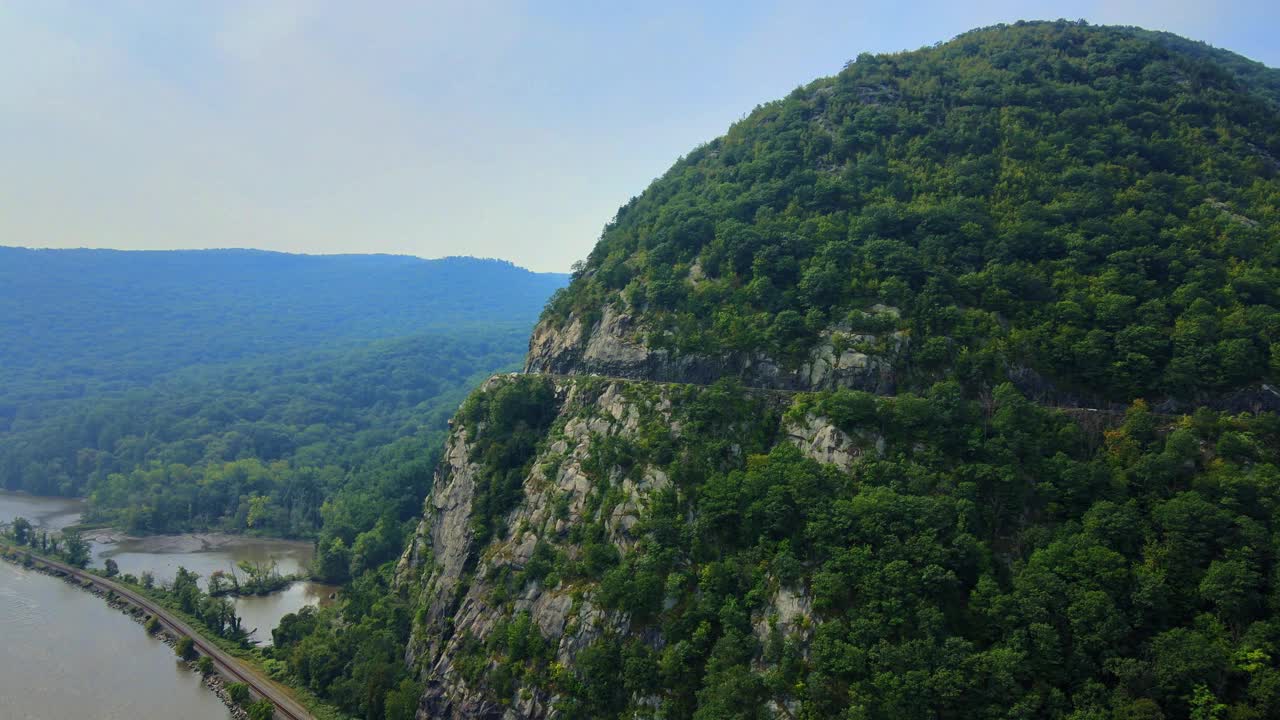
pixel 495 129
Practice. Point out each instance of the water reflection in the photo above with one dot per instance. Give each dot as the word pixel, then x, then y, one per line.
pixel 261 614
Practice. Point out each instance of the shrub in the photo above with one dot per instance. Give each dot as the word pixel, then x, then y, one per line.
pixel 186 648
pixel 239 693
pixel 264 709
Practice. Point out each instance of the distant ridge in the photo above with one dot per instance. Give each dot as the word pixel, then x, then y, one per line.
pixel 71 320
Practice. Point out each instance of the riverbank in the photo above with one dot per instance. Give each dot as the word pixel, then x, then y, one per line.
pixel 227 655
pixel 213 681
pixel 282 567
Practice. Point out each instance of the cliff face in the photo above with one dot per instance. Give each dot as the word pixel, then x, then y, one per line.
pixel 584 496
pixel 465 588
pixel 616 346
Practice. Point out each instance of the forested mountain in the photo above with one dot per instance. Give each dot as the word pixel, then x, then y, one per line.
pixel 822 427
pixel 78 322
pixel 1089 213
pixel 248 391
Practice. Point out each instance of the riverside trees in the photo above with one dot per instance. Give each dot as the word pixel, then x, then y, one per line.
pixel 72 547
pixel 215 613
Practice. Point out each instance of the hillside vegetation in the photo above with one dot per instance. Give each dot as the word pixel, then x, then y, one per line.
pixel 1023 216
pixel 935 557
pixel 1099 206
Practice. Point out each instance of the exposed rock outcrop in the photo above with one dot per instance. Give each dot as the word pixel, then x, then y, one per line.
pixel 467 592
pixel 822 441
pixel 464 588
pixel 614 346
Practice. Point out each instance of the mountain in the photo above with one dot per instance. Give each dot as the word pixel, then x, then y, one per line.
pixel 246 391
pixel 942 387
pixel 76 322
pixel 1085 212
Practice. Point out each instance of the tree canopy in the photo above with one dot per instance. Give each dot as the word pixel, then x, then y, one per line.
pixel 1099 205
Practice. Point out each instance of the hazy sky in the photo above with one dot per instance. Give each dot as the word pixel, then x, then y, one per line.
pixel 498 129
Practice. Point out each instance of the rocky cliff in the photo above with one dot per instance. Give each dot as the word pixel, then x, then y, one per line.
pixel 609 454
pixel 616 345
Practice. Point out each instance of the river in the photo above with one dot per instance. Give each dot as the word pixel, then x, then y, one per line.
pixel 50 513
pixel 67 654
pixel 202 553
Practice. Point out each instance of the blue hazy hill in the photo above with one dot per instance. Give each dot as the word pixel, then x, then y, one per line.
pixel 72 321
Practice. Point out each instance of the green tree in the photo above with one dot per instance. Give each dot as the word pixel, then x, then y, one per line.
pixel 1231 587
pixel 239 693
pixel 75 549
pixel 402 701
pixel 263 709
pixel 333 560
pixel 185 648
pixel 1204 706
pixel 186 590
pixel 259 510
pixel 219 584
pixel 21 529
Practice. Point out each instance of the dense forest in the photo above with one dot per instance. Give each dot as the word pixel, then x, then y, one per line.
pixel 1097 206
pixel 1039 212
pixel 975 560
pixel 265 402
pixel 80 323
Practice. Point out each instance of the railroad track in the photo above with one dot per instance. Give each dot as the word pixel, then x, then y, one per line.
pixel 286 707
